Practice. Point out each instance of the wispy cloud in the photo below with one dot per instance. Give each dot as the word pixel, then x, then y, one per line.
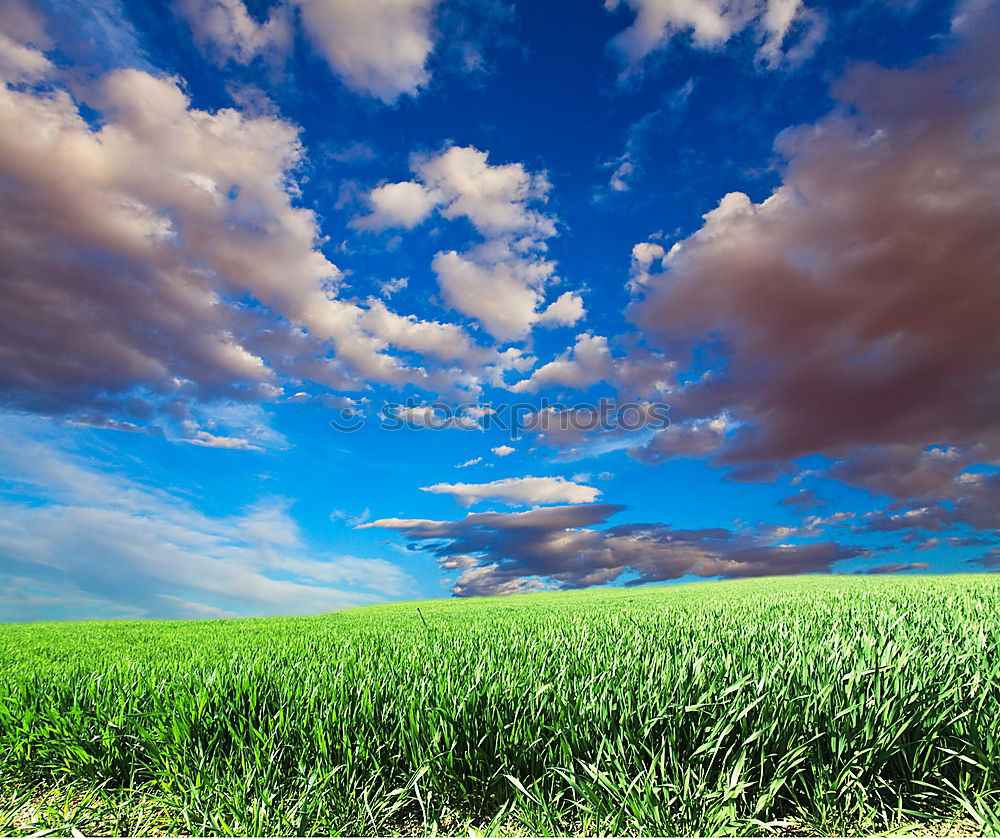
pixel 542 490
pixel 84 541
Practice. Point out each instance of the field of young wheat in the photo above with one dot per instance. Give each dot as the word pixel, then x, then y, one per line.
pixel 821 705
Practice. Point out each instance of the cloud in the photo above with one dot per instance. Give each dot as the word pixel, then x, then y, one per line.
pixel 804 499
pixel 934 542
pixel 22 42
pixel 502 451
pixel 628 166
pixel 590 361
pixel 205 438
pixel 225 30
pixel 352 519
pixel 500 553
pixel 687 439
pixel 989 560
pixel 446 341
pixel 897 567
pixel 503 290
pixel 404 204
pixel 935 488
pixel 496 199
pixel 902 471
pixel 644 256
pixel 786 31
pixel 378 48
pixel 473 462
pixel 93 34
pixel 932 517
pixel 86 541
pixel 543 490
pixel 854 307
pixel 391 286
pixel 132 242
pixel 501 281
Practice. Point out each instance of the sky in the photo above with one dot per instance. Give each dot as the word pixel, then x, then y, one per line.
pixel 312 304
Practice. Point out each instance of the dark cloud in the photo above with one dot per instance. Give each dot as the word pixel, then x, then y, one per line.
pixel 896 567
pixel 952 497
pixel 929 544
pixel 857 306
pixel 903 471
pixel 990 559
pixel 933 517
pixel 804 499
pixel 504 553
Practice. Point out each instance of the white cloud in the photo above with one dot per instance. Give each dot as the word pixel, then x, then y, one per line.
pixel 214 441
pixel 392 285
pixel 503 291
pixel 446 341
pixel 542 490
pixel 590 361
pixel 502 451
pixel 497 199
pixel 501 281
pixel 22 38
pixel 565 310
pixel 225 30
pixel 378 47
pixel 711 23
pixel 404 204
pixel 644 255
pixel 128 243
pixel 429 416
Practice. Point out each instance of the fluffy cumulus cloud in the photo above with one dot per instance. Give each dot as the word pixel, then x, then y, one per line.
pixel 535 490
pixel 591 361
pixel 853 312
pixel 403 204
pixel 786 30
pixel 131 245
pixel 71 528
pixel 378 48
pixel 505 553
pixel 502 280
pixel 644 256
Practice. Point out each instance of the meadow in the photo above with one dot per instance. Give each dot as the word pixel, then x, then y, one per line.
pixel 802 706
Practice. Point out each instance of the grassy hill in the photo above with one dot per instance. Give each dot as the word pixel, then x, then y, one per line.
pixel 793 705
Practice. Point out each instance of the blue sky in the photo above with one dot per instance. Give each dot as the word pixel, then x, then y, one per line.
pixel 230 227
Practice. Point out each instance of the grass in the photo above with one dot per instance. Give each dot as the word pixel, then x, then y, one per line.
pixel 809 705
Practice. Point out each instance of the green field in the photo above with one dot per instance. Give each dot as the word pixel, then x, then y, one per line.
pixel 836 704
